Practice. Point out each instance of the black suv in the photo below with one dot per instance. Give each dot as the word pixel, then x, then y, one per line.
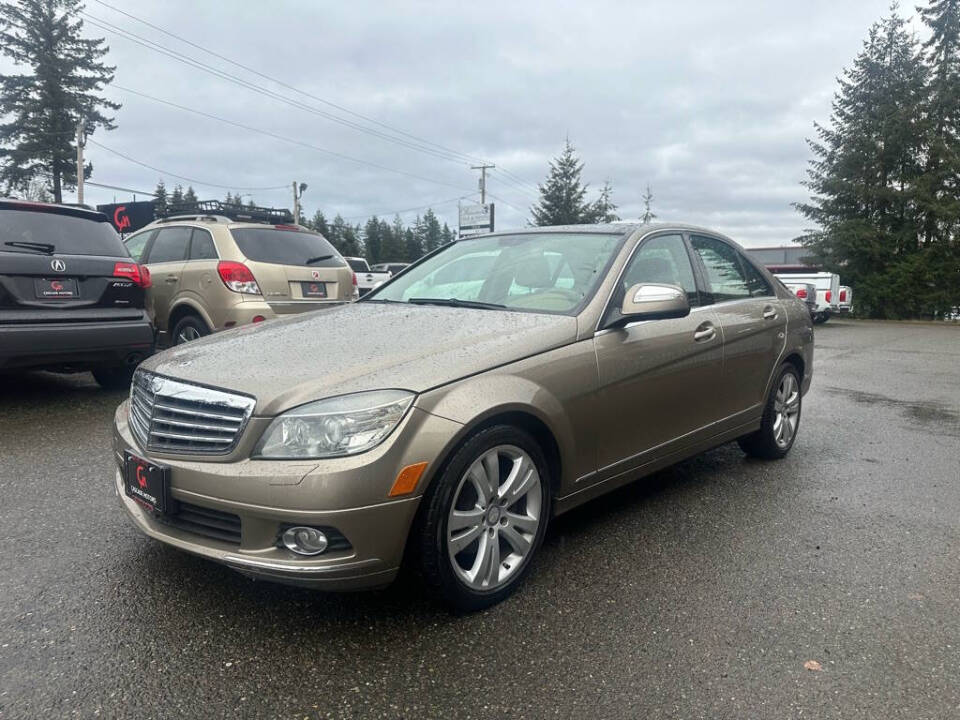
pixel 71 297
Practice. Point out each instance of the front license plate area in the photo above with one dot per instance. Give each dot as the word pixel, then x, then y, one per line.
pixel 146 482
pixel 56 288
pixel 313 289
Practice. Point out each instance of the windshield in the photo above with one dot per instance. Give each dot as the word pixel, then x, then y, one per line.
pixel 286 247
pixel 26 231
pixel 536 272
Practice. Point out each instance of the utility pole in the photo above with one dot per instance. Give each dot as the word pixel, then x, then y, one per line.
pixel 483 180
pixel 298 189
pixel 80 162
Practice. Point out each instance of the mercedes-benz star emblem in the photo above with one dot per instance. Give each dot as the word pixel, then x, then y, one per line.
pixel 58 265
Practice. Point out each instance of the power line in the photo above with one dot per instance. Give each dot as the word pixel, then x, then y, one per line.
pixel 406 210
pixel 192 62
pixel 179 177
pixel 284 138
pixel 506 203
pixel 466 157
pixel 463 157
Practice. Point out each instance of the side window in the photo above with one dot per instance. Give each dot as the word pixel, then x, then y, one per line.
pixel 136 244
pixel 202 247
pixel 756 283
pixel 170 245
pixel 724 272
pixel 662 259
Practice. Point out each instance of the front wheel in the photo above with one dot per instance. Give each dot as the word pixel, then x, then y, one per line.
pixel 188 328
pixel 781 418
pixel 485 518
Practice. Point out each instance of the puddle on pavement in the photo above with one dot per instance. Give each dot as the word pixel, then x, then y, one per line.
pixel 923 412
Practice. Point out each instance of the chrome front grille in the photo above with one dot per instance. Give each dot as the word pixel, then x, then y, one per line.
pixel 177 417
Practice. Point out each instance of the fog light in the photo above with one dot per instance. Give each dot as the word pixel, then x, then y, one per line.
pixel 304 540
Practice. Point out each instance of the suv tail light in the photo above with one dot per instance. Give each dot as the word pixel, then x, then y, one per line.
pixel 237 277
pixel 131 271
pixel 802 293
pixel 828 295
pixel 843 296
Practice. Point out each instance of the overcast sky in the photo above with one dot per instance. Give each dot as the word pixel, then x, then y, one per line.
pixel 709 103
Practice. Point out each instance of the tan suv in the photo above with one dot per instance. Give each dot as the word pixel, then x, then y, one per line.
pixel 212 272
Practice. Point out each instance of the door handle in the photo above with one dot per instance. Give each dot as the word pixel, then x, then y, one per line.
pixel 171 279
pixel 705 332
pixel 769 313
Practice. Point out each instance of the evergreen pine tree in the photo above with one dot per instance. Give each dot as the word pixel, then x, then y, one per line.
pixel 563 195
pixel 865 172
pixel 229 200
pixel 446 235
pixel 372 240
pixel 189 196
pixel 648 214
pixel 393 248
pixel 603 209
pixel 414 241
pixel 160 199
pixel 40 109
pixel 176 197
pixel 432 234
pixel 319 223
pixel 351 239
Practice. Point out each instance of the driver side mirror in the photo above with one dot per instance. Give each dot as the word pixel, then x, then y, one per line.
pixel 653 301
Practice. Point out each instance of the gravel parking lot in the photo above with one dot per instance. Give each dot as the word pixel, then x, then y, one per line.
pixel 698 593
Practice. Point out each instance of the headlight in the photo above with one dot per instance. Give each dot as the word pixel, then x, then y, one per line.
pixel 345 425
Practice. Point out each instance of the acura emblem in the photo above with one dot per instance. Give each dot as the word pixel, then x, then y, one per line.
pixel 58 265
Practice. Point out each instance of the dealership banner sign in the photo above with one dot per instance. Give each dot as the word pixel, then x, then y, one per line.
pixel 476 219
pixel 129 217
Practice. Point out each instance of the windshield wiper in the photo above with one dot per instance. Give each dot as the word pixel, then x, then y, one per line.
pixel 453 302
pixel 311 261
pixel 45 248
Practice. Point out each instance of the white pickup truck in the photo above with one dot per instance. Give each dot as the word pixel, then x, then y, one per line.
pixel 367 279
pixel 828 291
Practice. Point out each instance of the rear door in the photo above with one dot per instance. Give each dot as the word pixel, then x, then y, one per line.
pixel 658 378
pixel 752 320
pixel 166 256
pixel 293 267
pixel 61 265
pixel 199 273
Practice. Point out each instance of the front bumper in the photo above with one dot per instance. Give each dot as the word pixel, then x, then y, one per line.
pixel 347 494
pixel 86 343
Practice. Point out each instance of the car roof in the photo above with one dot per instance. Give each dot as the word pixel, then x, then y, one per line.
pixel 77 211
pixel 619 228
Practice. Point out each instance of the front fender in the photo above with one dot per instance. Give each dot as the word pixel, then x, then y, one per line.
pixel 474 401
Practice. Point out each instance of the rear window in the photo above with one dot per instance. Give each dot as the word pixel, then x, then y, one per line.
pixel 286 247
pixel 27 231
pixel 358 265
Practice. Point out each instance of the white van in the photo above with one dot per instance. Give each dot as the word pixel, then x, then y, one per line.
pixel 828 291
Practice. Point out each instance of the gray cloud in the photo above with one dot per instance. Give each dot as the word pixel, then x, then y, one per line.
pixel 708 103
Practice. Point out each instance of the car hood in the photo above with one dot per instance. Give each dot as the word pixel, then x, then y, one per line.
pixel 362 346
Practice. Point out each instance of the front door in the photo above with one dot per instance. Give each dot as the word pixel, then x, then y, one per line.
pixel 658 378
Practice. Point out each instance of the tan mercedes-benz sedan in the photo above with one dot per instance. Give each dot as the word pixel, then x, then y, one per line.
pixel 447 416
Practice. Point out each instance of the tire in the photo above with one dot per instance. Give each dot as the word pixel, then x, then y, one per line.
pixel 779 427
pixel 189 327
pixel 497 530
pixel 115 377
pixel 821 318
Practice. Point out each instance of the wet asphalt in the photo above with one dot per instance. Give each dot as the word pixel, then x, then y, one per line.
pixel 698 593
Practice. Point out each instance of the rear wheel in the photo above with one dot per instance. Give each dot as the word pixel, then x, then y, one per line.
pixel 189 327
pixel 781 418
pixel 485 518
pixel 114 378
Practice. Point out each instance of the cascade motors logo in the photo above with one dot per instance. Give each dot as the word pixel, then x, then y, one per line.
pixel 120 220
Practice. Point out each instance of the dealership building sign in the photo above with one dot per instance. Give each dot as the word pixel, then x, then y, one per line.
pixel 129 217
pixel 476 219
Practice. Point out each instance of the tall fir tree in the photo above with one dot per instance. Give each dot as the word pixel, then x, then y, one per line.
pixel 648 215
pixel 414 241
pixel 372 240
pixel 393 248
pixel 319 223
pixel 160 199
pixel 432 234
pixel 351 239
pixel 603 209
pixel 563 195
pixel 865 172
pixel 190 196
pixel 176 197
pixel 42 108
pixel 446 235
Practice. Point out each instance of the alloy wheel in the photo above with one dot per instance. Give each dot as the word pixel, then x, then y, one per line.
pixel 786 405
pixel 188 333
pixel 494 518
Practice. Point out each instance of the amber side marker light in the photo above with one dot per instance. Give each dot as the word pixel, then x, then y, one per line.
pixel 407 479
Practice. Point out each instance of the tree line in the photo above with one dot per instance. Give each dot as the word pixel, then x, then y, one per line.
pixel 885 173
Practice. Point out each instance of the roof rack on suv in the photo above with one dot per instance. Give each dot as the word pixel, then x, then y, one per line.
pixel 224 212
